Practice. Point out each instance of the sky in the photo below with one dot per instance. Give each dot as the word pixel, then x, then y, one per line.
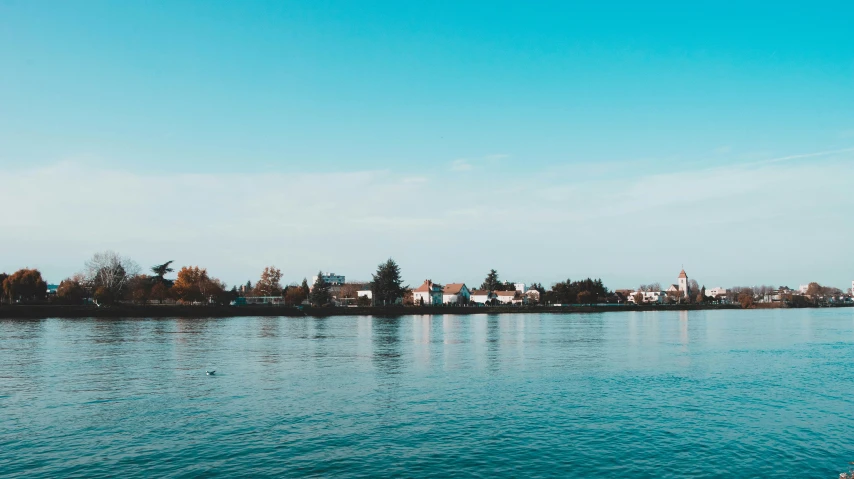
pixel 547 140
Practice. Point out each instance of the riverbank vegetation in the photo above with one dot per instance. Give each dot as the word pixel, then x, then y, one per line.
pixel 109 279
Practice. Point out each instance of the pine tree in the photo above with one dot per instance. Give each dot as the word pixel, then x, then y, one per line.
pixel 491 282
pixel 319 292
pixel 387 286
pixel 162 270
pixel 305 289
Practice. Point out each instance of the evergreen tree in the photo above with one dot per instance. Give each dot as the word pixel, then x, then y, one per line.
pixel 161 270
pixel 567 292
pixel 491 282
pixel 305 289
pixel 319 292
pixel 387 286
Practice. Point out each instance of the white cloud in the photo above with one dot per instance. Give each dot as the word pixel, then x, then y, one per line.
pixel 468 164
pixel 726 223
pixel 461 165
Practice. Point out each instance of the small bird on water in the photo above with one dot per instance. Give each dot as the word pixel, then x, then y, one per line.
pixel 210 373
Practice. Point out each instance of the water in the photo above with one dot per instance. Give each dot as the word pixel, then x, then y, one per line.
pixel 699 394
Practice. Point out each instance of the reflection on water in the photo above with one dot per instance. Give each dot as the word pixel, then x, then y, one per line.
pixel 720 393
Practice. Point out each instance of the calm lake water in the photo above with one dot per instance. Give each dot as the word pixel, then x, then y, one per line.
pixel 691 394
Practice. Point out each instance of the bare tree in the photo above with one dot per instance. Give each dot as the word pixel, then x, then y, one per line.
pixel 349 290
pixel 693 286
pixel 650 287
pixel 110 271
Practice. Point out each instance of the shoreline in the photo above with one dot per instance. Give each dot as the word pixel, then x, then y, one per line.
pixel 181 311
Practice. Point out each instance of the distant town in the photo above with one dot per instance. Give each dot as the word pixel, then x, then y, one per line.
pixel 109 278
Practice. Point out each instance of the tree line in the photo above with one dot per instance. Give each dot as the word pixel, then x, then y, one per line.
pixel 108 278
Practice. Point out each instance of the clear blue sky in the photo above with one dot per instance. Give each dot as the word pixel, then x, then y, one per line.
pixel 544 139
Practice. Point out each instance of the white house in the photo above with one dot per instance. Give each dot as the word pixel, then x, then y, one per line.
pixel 508 297
pixel 714 292
pixel 649 297
pixel 481 296
pixel 533 296
pixel 428 293
pixel 456 293
pixel 520 287
pixel 366 293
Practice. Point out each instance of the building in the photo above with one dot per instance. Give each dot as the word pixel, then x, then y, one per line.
pixel 482 296
pixel 715 292
pixel 683 283
pixel 509 297
pixel 428 293
pixel 329 278
pixel 365 293
pixel 456 293
pixel 520 287
pixel 623 295
pixel 648 297
pixel 803 288
pixel 271 300
pixel 533 296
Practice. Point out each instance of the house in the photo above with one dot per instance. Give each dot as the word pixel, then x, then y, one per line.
pixel 520 287
pixel 271 300
pixel 715 292
pixel 508 297
pixel 482 296
pixel 623 295
pixel 365 293
pixel 649 297
pixel 456 293
pixel 533 296
pixel 777 295
pixel 428 293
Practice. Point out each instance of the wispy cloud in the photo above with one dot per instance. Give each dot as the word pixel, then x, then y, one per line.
pixel 806 155
pixel 468 164
pixel 534 224
pixel 461 164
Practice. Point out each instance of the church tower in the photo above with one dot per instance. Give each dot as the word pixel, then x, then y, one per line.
pixel 683 283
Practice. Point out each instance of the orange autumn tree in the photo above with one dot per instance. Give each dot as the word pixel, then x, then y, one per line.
pixel 195 285
pixel 270 283
pixel 24 285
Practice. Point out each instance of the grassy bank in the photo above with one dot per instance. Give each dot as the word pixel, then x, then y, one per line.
pixel 179 311
pixel 171 311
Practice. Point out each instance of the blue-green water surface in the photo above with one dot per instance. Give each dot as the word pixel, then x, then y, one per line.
pixel 627 394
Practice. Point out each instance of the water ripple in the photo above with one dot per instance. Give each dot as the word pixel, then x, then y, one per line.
pixel 705 394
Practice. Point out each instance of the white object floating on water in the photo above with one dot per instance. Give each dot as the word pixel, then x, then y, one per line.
pixel 210 373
